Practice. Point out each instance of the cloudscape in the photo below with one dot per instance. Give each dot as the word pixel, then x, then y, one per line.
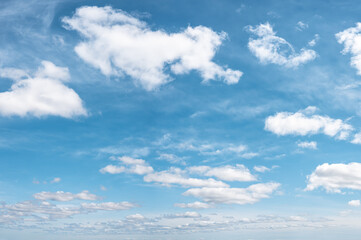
pixel 192 119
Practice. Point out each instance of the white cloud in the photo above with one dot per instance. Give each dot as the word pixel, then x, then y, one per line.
pixel 301 26
pixel 172 158
pixel 334 177
pixel 108 206
pixel 195 205
pixel 261 169
pixel 303 123
pixel 351 39
pixel 183 215
pixel 314 41
pixel 56 180
pixel 227 173
pixel 177 176
pixel 118 44
pixel 269 48
pixel 248 195
pixel 309 145
pixel 65 196
pixel 356 138
pixel 132 165
pixel 41 95
pixel 354 203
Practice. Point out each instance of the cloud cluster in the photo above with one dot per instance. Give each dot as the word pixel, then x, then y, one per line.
pixel 305 122
pixel 269 48
pixel 241 196
pixel 334 177
pixel 351 39
pixel 65 196
pixel 41 95
pixel 118 43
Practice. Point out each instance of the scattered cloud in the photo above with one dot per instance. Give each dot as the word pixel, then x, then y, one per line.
pixel 269 48
pixel 314 41
pixel 108 206
pixel 172 158
pixel 309 145
pixel 183 215
pixel 261 169
pixel 56 180
pixel 334 177
pixel 195 205
pixel 305 122
pixel 130 165
pixel 65 196
pixel 41 95
pixel 351 39
pixel 118 43
pixel 301 26
pixel 354 203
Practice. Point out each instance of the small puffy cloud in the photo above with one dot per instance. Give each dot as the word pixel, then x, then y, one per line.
pixel 118 43
pixel 183 215
pixel 354 203
pixel 269 48
pixel 301 26
pixel 309 145
pixel 227 173
pixel 195 205
pixel 172 158
pixel 261 169
pixel 108 206
pixel 65 196
pixel 356 138
pixel 130 165
pixel 41 95
pixel 249 195
pixel 351 39
pixel 314 41
pixel 306 123
pixel 177 176
pixel 334 177
pixel 135 217
pixel 56 180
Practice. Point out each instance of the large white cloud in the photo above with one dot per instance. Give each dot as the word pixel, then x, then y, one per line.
pixel 248 195
pixel 351 39
pixel 43 94
pixel 305 122
pixel 227 173
pixel 65 196
pixel 334 177
pixel 269 48
pixel 118 44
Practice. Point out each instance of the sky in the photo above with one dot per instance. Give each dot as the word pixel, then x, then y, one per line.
pixel 186 120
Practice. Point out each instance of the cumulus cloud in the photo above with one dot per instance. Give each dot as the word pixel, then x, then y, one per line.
pixel 195 205
pixel 351 39
pixel 261 169
pixel 177 176
pixel 227 173
pixel 306 123
pixel 65 196
pixel 354 203
pixel 183 215
pixel 41 95
pixel 356 138
pixel 334 177
pixel 249 195
pixel 118 43
pixel 108 206
pixel 269 48
pixel 131 165
pixel 309 145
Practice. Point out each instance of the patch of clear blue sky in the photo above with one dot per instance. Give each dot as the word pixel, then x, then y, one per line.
pixel 128 118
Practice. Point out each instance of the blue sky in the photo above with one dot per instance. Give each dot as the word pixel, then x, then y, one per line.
pixel 180 120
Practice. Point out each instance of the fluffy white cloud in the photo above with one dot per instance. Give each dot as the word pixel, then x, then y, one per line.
pixel 177 176
pixel 118 44
pixel 43 94
pixel 269 48
pixel 56 180
pixel 227 173
pixel 310 145
pixel 183 215
pixel 304 122
pixel 195 205
pixel 261 169
pixel 354 203
pixel 108 206
pixel 132 165
pixel 248 195
pixel 351 39
pixel 356 138
pixel 65 196
pixel 334 177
